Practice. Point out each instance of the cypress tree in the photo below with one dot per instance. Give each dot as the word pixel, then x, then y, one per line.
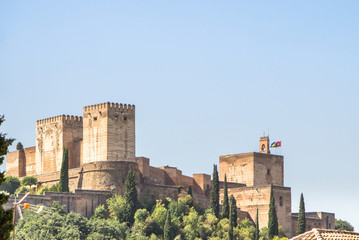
pixel 5 216
pixel 215 192
pixel 168 231
pixel 256 234
pixel 19 146
pixel 272 217
pixel 230 231
pixel 64 174
pixel 225 207
pixel 131 195
pixel 233 211
pixel 189 191
pixel 301 225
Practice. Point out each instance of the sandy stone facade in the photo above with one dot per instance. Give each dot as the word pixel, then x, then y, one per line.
pixel 101 147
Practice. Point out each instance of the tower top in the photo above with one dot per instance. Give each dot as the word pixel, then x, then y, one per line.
pixel 264 145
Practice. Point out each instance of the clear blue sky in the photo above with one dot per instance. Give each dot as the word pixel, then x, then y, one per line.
pixel 207 78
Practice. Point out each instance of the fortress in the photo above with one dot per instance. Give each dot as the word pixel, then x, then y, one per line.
pixel 101 148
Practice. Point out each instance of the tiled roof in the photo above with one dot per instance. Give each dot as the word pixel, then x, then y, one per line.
pixel 327 234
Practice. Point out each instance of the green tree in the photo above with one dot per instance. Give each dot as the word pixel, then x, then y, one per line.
pixel 29 181
pixel 5 216
pixel 230 230
pixel 64 174
pixel 168 232
pixel 131 195
pixel 215 192
pixel 225 206
pixel 189 191
pixel 117 207
pixel 301 216
pixel 343 225
pixel 272 217
pixel 256 236
pixel 233 211
pixel 19 146
pixel 10 185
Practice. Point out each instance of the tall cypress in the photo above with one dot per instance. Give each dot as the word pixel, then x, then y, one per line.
pixel 64 174
pixel 168 231
pixel 230 230
pixel 215 192
pixel 233 211
pixel 272 217
pixel 131 195
pixel 225 206
pixel 301 225
pixel 6 216
pixel 189 191
pixel 256 234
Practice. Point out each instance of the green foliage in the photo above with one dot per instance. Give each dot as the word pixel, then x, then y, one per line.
pixel 118 208
pixel 301 216
pixel 19 146
pixel 29 181
pixel 272 217
pixel 225 206
pixel 131 195
pixel 23 189
pixel 215 192
pixel 233 211
pixel 10 185
pixel 100 212
pixel 189 191
pixel 343 225
pixel 64 174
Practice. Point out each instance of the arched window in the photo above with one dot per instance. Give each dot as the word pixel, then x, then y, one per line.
pixel 281 201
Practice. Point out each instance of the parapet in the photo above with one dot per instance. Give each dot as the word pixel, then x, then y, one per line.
pixel 60 118
pixel 108 105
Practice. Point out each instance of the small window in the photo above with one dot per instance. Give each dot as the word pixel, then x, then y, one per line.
pixel 95 118
pixel 268 171
pixel 281 201
pixel 125 118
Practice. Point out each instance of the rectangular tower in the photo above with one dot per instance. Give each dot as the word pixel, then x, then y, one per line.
pixel 52 136
pixel 108 132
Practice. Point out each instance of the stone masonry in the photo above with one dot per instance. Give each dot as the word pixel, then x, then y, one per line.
pixel 101 147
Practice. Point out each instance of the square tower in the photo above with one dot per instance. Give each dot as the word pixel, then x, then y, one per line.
pixel 252 169
pixel 108 132
pixel 52 136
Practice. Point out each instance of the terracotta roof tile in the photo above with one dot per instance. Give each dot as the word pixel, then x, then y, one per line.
pixel 327 234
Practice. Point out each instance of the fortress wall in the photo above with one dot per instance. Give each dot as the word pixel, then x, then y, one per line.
pixel 49 179
pixel 72 137
pixel 154 192
pixel 250 198
pixel 239 168
pixel 157 176
pixel 106 175
pixel 268 169
pixel 144 166
pixel 13 164
pixel 30 161
pixel 315 220
pixel 203 181
pixel 121 130
pixel 187 181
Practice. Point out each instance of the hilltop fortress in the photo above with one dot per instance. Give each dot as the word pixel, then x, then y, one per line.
pixel 101 148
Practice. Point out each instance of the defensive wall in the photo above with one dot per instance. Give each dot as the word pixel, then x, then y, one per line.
pixel 322 220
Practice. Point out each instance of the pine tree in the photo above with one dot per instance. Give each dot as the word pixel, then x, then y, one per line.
pixel 272 217
pixel 301 225
pixel 6 217
pixel 256 234
pixel 215 192
pixel 64 174
pixel 131 195
pixel 225 206
pixel 233 211
pixel 168 231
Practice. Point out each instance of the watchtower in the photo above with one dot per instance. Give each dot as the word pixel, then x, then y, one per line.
pixel 108 132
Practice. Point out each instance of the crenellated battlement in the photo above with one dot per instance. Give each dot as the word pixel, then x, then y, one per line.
pixel 60 118
pixel 108 105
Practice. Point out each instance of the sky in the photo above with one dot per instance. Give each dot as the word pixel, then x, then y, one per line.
pixel 208 78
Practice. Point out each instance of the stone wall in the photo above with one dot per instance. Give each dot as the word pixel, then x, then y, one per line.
pixel 322 220
pixel 49 179
pixel 105 124
pixel 252 169
pixel 250 198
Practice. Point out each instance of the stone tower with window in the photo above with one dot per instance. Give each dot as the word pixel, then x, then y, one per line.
pixel 108 132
